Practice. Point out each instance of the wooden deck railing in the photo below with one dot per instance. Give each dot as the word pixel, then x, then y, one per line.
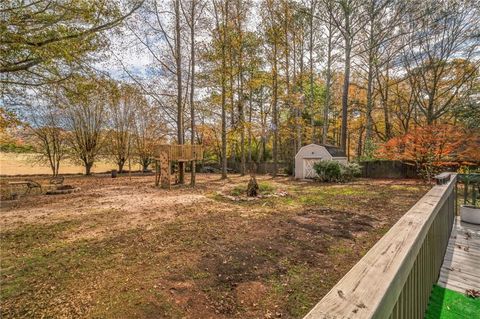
pixel 471 188
pixel 395 277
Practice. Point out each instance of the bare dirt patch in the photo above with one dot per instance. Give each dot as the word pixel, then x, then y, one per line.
pixel 115 203
pixel 121 248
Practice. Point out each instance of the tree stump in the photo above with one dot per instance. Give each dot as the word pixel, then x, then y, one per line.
pixel 252 188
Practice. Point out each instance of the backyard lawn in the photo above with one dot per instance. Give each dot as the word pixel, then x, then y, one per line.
pixel 120 248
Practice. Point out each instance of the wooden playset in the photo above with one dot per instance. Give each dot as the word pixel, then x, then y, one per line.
pixel 168 153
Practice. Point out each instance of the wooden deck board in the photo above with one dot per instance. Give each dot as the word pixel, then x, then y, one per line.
pixel 461 265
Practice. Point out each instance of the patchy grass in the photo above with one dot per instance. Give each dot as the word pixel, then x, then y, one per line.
pixel 264 188
pixel 409 188
pixel 121 248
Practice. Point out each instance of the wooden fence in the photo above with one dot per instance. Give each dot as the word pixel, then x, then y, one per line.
pixel 388 169
pixel 395 277
pixel 260 168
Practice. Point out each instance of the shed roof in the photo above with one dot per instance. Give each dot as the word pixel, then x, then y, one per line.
pixel 335 151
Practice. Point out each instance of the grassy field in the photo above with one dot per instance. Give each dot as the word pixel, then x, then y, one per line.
pixel 29 164
pixel 121 248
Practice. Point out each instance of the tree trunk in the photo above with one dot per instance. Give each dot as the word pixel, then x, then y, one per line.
pixel 346 86
pixel 430 116
pixel 386 110
pixel 57 167
pixel 263 154
pixel 120 164
pixel 88 168
pixel 192 91
pixel 297 138
pixel 145 164
pixel 328 84
pixel 360 142
pixel 178 52
pixel 275 111
pixel 302 104
pixel 241 109
pixel 224 111
pixel 250 127
pixel 232 103
pixel 368 128
pixel 310 100
pixel 287 74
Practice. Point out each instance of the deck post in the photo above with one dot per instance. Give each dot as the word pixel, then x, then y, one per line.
pixel 165 170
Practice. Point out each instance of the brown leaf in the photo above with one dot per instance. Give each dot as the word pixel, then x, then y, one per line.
pixel 473 293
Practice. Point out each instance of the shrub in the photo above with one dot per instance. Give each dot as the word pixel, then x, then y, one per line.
pixel 334 171
pixel 289 169
pixel 15 148
pixel 264 188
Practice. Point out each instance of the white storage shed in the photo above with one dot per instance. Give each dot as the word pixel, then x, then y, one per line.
pixel 308 155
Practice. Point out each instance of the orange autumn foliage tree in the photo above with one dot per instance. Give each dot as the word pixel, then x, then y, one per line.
pixel 429 147
pixel 469 150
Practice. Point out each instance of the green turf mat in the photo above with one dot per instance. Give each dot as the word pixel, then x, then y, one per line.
pixel 448 304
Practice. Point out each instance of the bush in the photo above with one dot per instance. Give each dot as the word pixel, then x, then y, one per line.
pixel 289 169
pixel 334 171
pixel 14 148
pixel 263 188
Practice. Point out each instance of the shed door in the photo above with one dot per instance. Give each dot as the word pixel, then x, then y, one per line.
pixel 308 163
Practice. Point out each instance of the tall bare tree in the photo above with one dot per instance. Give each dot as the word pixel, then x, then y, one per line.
pixel 220 12
pixel 159 27
pixel 192 15
pixel 438 55
pixel 331 38
pixel 85 119
pixel 46 119
pixel 379 40
pixel 149 130
pixel 273 34
pixel 349 22
pixel 120 121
